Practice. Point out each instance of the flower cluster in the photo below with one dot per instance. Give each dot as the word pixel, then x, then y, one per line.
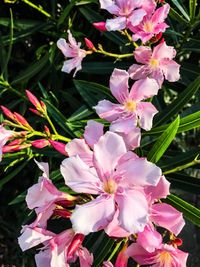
pixel 108 186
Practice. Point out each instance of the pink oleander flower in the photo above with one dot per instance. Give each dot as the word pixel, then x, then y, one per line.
pixel 118 179
pixel 58 250
pixel 164 256
pixel 44 197
pixel 71 50
pixel 5 135
pixel 132 111
pixel 127 13
pixel 152 24
pixel 158 64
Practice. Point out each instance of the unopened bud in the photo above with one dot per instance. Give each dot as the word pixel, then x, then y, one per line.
pixel 101 26
pixel 65 203
pixel 47 131
pixel 33 99
pixel 59 146
pixel 35 111
pixel 177 242
pixel 16 142
pixel 40 143
pixel 8 113
pixel 21 120
pixel 75 244
pixel 8 149
pixel 62 213
pixel 156 38
pixel 89 44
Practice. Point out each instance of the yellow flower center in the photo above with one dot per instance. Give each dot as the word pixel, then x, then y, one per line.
pixel 130 105
pixel 154 63
pixel 110 186
pixel 148 26
pixel 165 258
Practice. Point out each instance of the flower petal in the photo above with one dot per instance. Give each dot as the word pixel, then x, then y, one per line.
pixel 160 14
pixel 119 84
pixel 116 24
pixel 107 152
pixel 146 112
pixel 171 70
pixel 94 215
pixel 163 51
pixel 124 125
pixel 143 54
pixel 109 6
pixel 133 210
pixel 143 89
pixel 93 131
pixel 136 16
pixel 79 176
pixel 43 258
pixel 164 215
pixel 132 139
pixel 137 72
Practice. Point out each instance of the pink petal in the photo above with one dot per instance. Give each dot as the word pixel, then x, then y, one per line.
pixel 124 125
pixel 109 6
pixel 149 6
pixel 43 258
pixel 168 217
pixel 116 24
pixel 119 85
pixel 140 172
pixel 143 54
pixel 80 148
pixel 86 259
pixel 136 16
pixel 143 89
pixel 107 264
pixel 72 41
pixel 160 14
pixel 157 74
pixel 132 139
pixel 137 72
pixel 94 215
pixel 160 28
pixel 143 36
pixel 161 190
pixel 93 131
pixel 171 70
pixel 33 237
pixel 146 112
pixel 163 51
pixel 65 48
pixel 44 167
pixel 149 239
pixel 79 176
pixel 104 158
pixel 133 210
pixel 109 111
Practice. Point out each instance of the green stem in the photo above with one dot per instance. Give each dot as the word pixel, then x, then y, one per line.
pixel 115 251
pixel 51 124
pixel 182 167
pixel 61 138
pixel 101 51
pixel 38 8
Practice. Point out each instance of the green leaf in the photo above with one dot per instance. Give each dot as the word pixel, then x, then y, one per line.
pixel 189 211
pixel 176 16
pixel 81 113
pixel 92 92
pixel 192 7
pixel 66 12
pixel 32 70
pixel 163 141
pixel 181 9
pixel 20 198
pixel 178 103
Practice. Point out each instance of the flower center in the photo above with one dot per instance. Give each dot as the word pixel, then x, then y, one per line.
pixel 148 26
pixel 154 63
pixel 165 258
pixel 130 105
pixel 110 186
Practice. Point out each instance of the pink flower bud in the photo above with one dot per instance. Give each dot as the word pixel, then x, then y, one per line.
pixel 156 38
pixel 101 26
pixel 60 147
pixel 21 120
pixel 40 143
pixel 16 142
pixel 8 149
pixel 177 242
pixel 89 44
pixel 46 129
pixel 8 113
pixel 65 203
pixel 43 106
pixel 122 258
pixel 75 244
pixel 35 111
pixel 33 99
pixel 62 213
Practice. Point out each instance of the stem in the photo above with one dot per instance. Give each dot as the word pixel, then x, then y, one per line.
pixel 182 167
pixel 51 124
pixel 62 138
pixel 38 8
pixel 115 250
pixel 101 51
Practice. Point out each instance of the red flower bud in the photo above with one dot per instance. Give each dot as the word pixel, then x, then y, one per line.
pixel 33 99
pixel 21 120
pixel 89 44
pixel 16 142
pixel 60 147
pixel 8 149
pixel 8 113
pixel 75 244
pixel 35 111
pixel 101 26
pixel 46 129
pixel 62 213
pixel 40 143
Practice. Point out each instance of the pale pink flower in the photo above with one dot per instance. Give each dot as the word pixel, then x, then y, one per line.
pixel 5 135
pixel 118 179
pixel 158 64
pixel 71 50
pixel 127 13
pixel 132 111
pixel 164 256
pixel 152 24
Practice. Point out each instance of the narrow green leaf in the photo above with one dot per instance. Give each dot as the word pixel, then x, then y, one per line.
pixel 92 92
pixel 176 16
pixel 189 211
pixel 81 113
pixel 66 12
pixel 163 141
pixel 178 103
pixel 192 6
pixel 20 198
pixel 181 9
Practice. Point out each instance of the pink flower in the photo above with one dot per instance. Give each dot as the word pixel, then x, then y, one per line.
pixel 5 135
pixel 151 25
pixel 126 12
pixel 157 64
pixel 164 256
pixel 71 50
pixel 132 111
pixel 118 179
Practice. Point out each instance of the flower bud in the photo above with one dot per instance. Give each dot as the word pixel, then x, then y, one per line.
pixel 40 143
pixel 89 44
pixel 59 146
pixel 33 99
pixel 101 26
pixel 35 111
pixel 21 120
pixel 8 113
pixel 62 213
pixel 47 131
pixel 8 149
pixel 75 244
